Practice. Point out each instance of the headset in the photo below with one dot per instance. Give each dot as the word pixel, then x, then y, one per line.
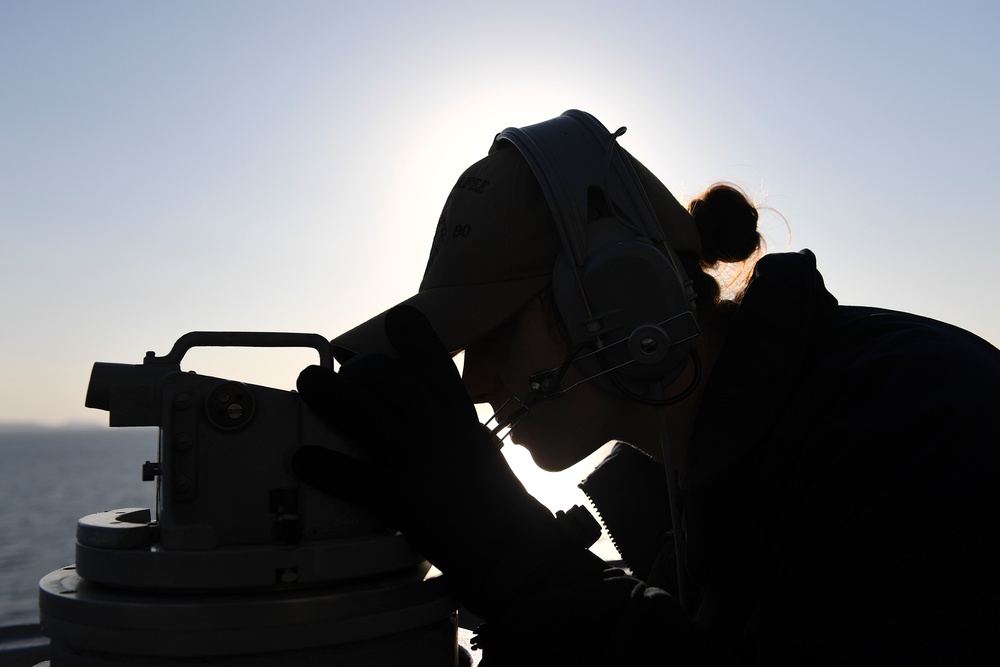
pixel 620 289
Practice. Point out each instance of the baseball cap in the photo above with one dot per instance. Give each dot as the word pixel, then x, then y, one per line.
pixel 495 248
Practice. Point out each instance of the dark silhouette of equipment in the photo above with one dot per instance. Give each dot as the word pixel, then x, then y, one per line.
pixel 240 563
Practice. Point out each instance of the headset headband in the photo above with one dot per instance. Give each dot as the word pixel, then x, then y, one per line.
pixel 575 149
pixel 569 154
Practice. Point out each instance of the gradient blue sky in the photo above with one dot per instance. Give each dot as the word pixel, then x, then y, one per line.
pixel 245 165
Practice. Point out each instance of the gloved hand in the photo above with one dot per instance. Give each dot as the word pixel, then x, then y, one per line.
pixel 435 473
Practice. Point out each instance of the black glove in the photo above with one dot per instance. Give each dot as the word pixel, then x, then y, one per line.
pixel 431 470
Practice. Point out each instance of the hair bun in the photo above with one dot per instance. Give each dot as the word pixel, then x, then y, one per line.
pixel 727 224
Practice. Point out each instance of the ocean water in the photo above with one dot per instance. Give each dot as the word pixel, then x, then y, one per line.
pixel 49 478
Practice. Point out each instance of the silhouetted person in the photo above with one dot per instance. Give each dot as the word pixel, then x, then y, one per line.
pixel 833 469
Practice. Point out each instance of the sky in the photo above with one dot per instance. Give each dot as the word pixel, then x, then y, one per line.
pixel 280 166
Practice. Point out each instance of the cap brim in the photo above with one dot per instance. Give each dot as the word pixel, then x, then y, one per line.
pixel 459 314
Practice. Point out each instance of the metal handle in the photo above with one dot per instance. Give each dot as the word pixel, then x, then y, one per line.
pixel 244 339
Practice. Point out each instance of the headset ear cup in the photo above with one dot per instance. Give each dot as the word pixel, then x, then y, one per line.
pixel 618 287
pixel 630 303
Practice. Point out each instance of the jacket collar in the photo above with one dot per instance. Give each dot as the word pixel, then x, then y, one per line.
pixel 765 350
